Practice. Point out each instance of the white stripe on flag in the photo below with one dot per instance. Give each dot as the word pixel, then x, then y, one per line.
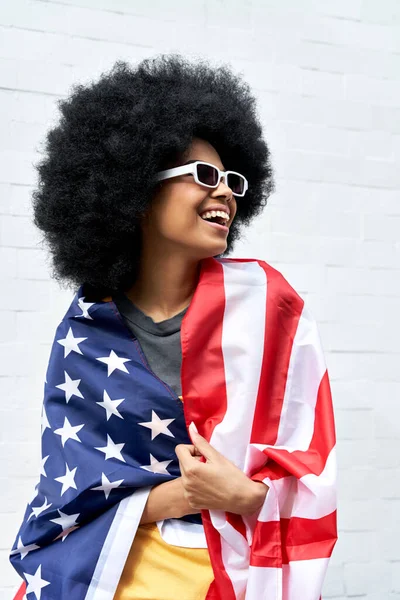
pixel 265 583
pixel 243 348
pixel 305 575
pixel 317 495
pixel 296 425
pixel 116 547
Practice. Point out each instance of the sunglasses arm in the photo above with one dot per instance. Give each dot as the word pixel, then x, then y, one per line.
pixel 176 171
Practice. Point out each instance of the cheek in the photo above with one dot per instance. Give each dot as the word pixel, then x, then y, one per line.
pixel 177 221
pixel 181 209
pixel 176 213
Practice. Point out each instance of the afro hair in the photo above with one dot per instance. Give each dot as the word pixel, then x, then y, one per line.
pixel 96 177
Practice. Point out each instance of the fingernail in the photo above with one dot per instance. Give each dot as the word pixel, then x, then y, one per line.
pixel 193 427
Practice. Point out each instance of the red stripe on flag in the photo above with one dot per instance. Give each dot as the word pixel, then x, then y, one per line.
pixel 237 522
pixel 300 539
pixel 21 592
pixel 313 460
pixel 308 538
pixel 221 587
pixel 203 377
pixel 283 310
pixel 202 371
pixel 324 438
pixel 266 546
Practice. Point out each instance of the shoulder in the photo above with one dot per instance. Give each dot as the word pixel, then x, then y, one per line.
pixel 276 282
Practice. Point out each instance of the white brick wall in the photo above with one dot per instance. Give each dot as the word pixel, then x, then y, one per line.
pixel 327 78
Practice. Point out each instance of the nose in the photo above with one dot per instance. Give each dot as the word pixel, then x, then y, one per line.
pixel 223 190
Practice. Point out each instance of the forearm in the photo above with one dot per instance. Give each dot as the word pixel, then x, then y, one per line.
pixel 164 502
pixel 253 498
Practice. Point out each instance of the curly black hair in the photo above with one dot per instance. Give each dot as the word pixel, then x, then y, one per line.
pixel 96 178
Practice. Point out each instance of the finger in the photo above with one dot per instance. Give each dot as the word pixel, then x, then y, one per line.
pixel 192 449
pixel 196 451
pixel 185 454
pixel 201 443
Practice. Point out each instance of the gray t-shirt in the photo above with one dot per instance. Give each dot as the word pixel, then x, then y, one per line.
pixel 160 342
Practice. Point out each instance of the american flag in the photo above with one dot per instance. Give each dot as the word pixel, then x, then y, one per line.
pixel 254 382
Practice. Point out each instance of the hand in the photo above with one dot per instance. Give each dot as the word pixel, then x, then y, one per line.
pixel 216 483
pixel 166 501
pixel 183 507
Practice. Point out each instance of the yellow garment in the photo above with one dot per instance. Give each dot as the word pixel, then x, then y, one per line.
pixel 155 570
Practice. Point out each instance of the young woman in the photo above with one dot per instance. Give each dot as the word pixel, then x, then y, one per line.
pixel 151 174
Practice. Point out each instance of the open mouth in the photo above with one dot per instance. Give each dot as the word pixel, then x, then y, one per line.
pixel 217 218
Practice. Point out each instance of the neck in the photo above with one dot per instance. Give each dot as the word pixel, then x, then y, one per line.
pixel 165 284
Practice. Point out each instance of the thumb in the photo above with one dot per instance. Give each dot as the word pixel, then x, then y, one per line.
pixel 201 443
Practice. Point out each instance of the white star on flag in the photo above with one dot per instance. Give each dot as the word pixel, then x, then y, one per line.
pixel 44 420
pixel 157 466
pixel 67 522
pixel 107 486
pixel 110 406
pixel 64 533
pixel 67 480
pixel 84 306
pixel 35 583
pixel 70 387
pixel 70 343
pixel 115 362
pixel 112 450
pixel 24 550
pixel 35 493
pixel 42 471
pixel 68 432
pixel 158 425
pixel 36 510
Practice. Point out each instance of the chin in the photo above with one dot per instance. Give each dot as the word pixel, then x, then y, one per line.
pixel 204 250
pixel 216 250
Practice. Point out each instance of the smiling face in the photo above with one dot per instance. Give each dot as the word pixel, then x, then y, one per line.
pixel 173 220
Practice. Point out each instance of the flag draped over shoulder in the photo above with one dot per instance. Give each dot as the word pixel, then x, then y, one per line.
pixel 254 382
pixel 256 385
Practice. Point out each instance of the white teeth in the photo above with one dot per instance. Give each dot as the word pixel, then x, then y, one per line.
pixel 215 213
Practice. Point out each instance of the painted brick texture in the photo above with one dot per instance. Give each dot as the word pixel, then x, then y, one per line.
pixel 327 79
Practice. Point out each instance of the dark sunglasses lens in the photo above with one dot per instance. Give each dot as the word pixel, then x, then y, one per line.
pixel 236 183
pixel 207 174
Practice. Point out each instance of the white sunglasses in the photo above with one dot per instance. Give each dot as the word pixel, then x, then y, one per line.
pixel 207 174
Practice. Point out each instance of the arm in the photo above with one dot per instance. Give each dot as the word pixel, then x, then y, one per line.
pixel 255 499
pixel 166 501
